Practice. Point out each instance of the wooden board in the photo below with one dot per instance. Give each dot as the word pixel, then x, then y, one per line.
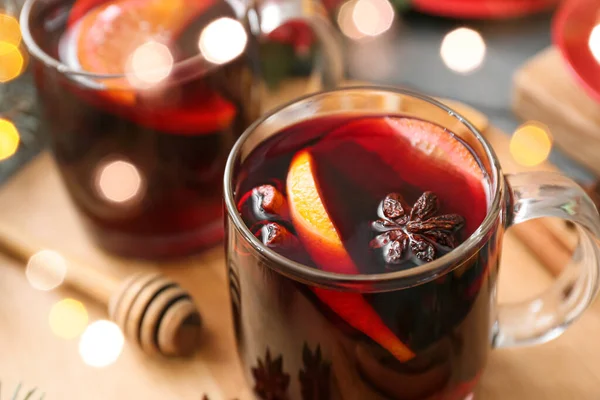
pixel 35 202
pixel 544 89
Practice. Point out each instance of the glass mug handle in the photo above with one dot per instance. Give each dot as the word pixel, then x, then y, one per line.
pixel 548 194
pixel 275 13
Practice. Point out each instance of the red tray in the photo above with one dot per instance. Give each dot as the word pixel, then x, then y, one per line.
pixel 571 30
pixel 482 9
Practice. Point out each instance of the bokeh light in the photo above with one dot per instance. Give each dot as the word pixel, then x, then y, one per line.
pixel 119 181
pixel 101 344
pixel 270 18
pixel 463 50
pixel 222 40
pixel 373 17
pixel 46 270
pixel 594 42
pixel 346 21
pixel 10 31
pixel 12 61
pixel 150 64
pixel 531 144
pixel 68 318
pixel 9 138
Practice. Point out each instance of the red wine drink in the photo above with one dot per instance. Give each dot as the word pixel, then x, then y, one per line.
pixel 364 236
pixel 370 195
pixel 143 99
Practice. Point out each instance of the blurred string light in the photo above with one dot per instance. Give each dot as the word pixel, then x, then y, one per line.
pixel 12 64
pixel 346 22
pixel 68 318
pixel 46 270
pixel 223 40
pixel 10 32
pixel 9 138
pixel 365 18
pixel 270 18
pixel 150 64
pixel 12 60
pixel 373 17
pixel 119 181
pixel 594 42
pixel 463 50
pixel 101 344
pixel 531 144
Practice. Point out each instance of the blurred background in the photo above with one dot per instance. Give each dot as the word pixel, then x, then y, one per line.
pixel 457 49
pixel 531 66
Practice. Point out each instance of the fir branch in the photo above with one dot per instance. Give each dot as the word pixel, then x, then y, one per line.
pixel 30 393
pixel 28 396
pixel 17 390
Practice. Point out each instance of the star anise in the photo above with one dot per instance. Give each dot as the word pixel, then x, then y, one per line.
pixel 414 230
pixel 315 376
pixel 270 381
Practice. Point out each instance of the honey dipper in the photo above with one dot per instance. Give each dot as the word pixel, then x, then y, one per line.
pixel 151 310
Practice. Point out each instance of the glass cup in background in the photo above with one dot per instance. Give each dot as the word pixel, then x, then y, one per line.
pixel 291 342
pixel 142 151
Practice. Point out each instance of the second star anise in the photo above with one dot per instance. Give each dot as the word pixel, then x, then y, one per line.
pixel 270 380
pixel 315 377
pixel 415 230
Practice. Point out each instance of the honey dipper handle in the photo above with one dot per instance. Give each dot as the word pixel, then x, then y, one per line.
pixel 79 275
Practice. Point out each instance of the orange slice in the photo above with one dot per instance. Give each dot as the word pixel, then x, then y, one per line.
pixel 313 224
pixel 404 143
pixel 437 143
pixel 319 236
pixel 80 8
pixel 414 152
pixel 110 32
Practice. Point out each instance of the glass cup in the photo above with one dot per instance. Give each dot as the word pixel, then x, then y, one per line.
pixel 141 147
pixel 293 345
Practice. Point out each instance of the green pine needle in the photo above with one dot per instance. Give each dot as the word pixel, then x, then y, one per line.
pixel 31 392
pixel 28 396
pixel 17 390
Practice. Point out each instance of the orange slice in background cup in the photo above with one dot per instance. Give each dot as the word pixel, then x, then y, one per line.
pixel 109 35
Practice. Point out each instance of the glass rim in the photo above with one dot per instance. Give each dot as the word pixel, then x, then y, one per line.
pixel 305 273
pixel 36 51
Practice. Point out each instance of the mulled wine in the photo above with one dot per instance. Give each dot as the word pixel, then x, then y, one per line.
pixel 140 125
pixel 371 195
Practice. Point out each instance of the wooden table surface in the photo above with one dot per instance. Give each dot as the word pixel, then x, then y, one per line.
pixel 35 202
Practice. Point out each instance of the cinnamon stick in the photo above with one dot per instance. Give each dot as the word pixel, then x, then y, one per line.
pixel 549 247
pixel 553 240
